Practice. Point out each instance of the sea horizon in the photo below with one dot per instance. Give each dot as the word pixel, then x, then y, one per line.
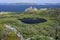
pixel 20 7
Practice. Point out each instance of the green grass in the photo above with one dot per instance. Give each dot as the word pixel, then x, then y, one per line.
pixel 29 30
pixel 11 36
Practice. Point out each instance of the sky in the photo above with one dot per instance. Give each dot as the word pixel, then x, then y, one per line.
pixel 30 1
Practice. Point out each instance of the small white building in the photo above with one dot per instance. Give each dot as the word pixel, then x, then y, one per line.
pixel 31 9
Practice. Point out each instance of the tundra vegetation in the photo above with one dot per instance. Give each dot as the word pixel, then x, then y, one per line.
pixel 49 30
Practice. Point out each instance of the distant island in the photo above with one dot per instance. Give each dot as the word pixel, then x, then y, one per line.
pixel 29 3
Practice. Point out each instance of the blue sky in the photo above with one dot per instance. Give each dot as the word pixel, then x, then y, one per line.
pixel 29 1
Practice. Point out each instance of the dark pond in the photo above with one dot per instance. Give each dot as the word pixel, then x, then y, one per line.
pixel 33 20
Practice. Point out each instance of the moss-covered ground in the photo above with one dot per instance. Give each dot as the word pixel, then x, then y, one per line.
pixel 41 31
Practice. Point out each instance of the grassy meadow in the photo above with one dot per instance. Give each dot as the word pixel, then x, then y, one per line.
pixel 49 30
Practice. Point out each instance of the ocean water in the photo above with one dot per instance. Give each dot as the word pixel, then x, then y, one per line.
pixel 21 8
